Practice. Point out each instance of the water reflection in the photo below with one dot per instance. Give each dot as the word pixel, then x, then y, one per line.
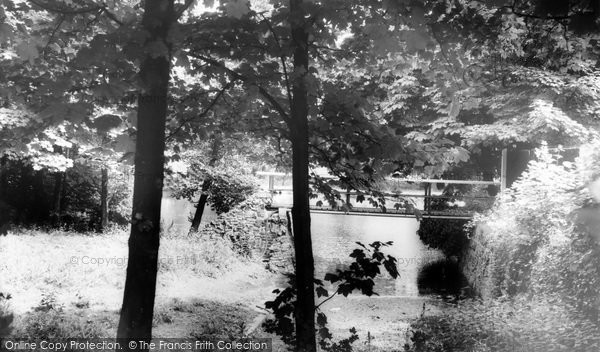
pixel 335 236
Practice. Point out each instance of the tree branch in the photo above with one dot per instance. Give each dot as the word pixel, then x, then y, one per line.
pixel 186 6
pixel 202 114
pixel 276 105
pixel 65 10
pixel 72 11
pixel 325 300
pixel 62 19
pixel 111 16
pixel 513 9
pixel 443 52
pixel 281 57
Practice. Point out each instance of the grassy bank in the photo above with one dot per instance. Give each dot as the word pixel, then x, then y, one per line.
pixel 71 285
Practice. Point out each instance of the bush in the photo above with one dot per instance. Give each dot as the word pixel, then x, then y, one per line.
pixel 6 317
pixel 506 325
pixel 536 241
pixel 451 236
pixel 448 235
pixel 49 321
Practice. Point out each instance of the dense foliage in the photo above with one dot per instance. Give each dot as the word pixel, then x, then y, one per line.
pixel 6 317
pixel 505 326
pixel 539 239
pixel 451 236
pixel 223 171
pixel 448 235
pixel 69 199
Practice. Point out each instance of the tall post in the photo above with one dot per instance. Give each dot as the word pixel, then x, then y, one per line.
pixel 348 198
pixel 271 183
pixel 427 198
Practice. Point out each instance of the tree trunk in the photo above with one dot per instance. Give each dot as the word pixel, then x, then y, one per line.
pixel 199 209
pixel 59 179
pixel 40 198
pixel 5 213
pixel 135 322
pixel 305 305
pixel 104 200
pixel 3 177
pixel 215 150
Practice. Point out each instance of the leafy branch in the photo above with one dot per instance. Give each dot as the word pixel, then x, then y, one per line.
pixel 202 114
pixel 236 75
pixel 358 276
pixel 66 10
pixel 281 57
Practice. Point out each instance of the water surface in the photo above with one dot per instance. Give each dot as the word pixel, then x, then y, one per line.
pixel 335 236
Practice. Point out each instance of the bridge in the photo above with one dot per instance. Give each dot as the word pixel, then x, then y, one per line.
pixel 417 197
pixel 415 200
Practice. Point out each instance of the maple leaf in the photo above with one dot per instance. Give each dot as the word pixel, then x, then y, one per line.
pixel 236 8
pixel 27 51
pixel 454 107
pixel 416 40
pixel 6 32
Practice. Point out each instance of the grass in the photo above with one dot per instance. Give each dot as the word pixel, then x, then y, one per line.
pixel 71 285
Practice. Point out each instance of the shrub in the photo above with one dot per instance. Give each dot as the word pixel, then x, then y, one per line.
pixel 226 188
pixel 451 236
pixel 505 325
pixel 49 321
pixel 6 317
pixel 448 235
pixel 536 242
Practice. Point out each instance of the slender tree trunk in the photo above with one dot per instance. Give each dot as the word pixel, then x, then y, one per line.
pixel 59 179
pixel 215 150
pixel 3 178
pixel 104 199
pixel 40 198
pixel 135 323
pixel 5 213
pixel 199 209
pixel 305 306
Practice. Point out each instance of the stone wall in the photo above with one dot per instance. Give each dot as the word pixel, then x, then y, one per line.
pixel 255 232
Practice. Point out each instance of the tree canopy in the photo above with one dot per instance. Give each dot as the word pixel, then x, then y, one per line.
pixel 366 89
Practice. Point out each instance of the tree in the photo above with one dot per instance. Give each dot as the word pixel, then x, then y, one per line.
pixel 261 45
pixel 140 285
pixel 215 150
pixel 298 126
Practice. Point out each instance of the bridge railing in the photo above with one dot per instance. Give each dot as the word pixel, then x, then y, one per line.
pixel 402 203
